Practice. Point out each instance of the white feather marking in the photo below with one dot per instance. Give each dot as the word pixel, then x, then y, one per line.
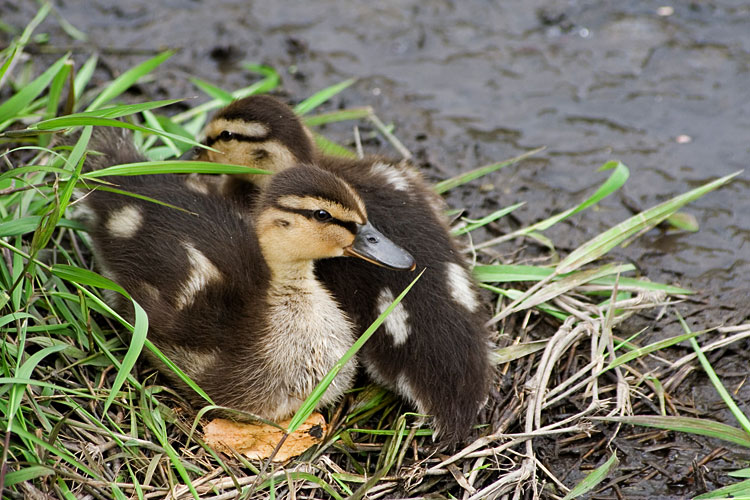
pixel 195 183
pixel 397 323
pixel 202 272
pixel 392 175
pixel 374 373
pixel 460 286
pixel 125 222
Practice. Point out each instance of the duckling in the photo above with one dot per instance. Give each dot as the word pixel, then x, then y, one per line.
pixel 433 350
pixel 233 300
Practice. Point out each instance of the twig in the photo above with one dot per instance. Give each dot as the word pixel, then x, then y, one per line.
pixel 358 143
pixel 405 153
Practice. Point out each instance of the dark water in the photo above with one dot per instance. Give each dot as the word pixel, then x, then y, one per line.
pixel 472 82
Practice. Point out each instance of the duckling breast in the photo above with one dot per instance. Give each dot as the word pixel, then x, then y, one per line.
pixel 307 334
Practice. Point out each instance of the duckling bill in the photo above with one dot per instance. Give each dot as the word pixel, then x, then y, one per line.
pixel 370 245
pixel 231 293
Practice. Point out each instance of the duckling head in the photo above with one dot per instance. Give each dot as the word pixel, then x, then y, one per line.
pixel 260 132
pixel 307 213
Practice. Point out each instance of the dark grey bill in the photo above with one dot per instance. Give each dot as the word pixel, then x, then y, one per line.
pixel 370 245
pixel 190 154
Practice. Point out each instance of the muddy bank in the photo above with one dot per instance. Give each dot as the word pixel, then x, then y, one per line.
pixel 473 82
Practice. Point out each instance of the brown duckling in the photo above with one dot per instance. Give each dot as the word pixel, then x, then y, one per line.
pixel 233 300
pixel 434 349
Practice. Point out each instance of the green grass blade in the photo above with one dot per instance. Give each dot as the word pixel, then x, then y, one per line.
pixel 738 491
pixel 688 425
pixel 154 123
pixel 11 108
pixel 8 63
pixel 508 273
pixel 23 40
pixel 684 222
pixel 504 273
pixel 656 346
pixel 55 90
pixel 570 282
pixel 127 79
pixel 322 96
pixel 140 327
pixel 68 28
pixel 337 116
pixel 27 474
pixel 70 121
pixel 212 90
pixel 54 450
pixel 177 371
pixel 614 182
pixel 487 219
pixel 593 478
pixel 331 148
pixel 24 372
pixel 83 77
pixel 172 167
pixel 725 396
pixel 516 294
pixel 119 110
pixel 270 81
pixel 740 473
pixel 312 400
pixel 15 316
pixel 86 277
pixel 29 223
pixel 460 180
pixel 603 243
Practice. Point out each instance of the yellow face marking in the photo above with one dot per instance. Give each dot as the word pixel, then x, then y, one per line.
pixel 248 129
pixel 268 155
pixel 309 203
pixel 287 237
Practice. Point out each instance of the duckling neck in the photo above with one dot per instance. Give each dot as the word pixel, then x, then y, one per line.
pixel 307 334
pixel 288 274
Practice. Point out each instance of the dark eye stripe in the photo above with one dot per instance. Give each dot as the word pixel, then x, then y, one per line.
pixel 348 225
pixel 210 141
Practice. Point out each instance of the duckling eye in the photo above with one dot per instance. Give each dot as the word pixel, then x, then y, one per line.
pixel 322 215
pixel 226 135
